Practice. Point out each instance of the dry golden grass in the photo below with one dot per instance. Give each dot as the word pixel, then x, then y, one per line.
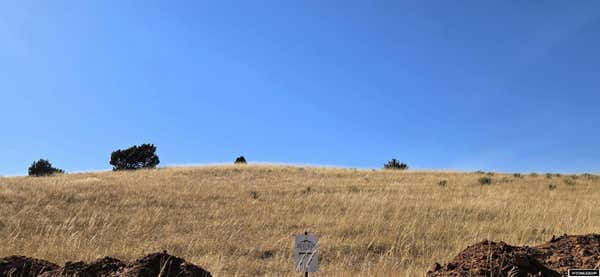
pixel 239 220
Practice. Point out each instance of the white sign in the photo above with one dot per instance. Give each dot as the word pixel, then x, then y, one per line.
pixel 306 254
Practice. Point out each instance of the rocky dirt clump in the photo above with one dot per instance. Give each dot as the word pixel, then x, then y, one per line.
pixel 162 264
pixel 152 265
pixel 552 258
pixel 24 266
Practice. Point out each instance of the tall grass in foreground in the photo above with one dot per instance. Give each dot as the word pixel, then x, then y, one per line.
pixel 239 221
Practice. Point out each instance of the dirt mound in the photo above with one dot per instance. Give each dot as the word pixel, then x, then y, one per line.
pixel 492 259
pixel 24 266
pixel 162 264
pixel 552 258
pixel 99 268
pixel 157 264
pixel 567 252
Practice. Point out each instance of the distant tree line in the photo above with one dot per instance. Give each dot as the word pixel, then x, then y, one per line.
pixel 144 156
pixel 132 158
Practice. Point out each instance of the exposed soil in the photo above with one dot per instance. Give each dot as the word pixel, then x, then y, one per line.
pixel 162 264
pixel 102 267
pixel 153 265
pixel 552 258
pixel 486 258
pixel 24 266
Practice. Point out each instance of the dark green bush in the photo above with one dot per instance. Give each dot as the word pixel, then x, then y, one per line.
pixel 43 167
pixel 395 164
pixel 135 157
pixel 569 182
pixel 240 160
pixel 485 180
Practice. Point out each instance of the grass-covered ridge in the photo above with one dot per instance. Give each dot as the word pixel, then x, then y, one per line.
pixel 239 220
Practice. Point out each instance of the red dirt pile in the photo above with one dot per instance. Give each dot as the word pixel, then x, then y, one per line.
pixel 552 258
pixel 153 265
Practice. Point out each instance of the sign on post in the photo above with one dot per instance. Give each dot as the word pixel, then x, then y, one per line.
pixel 584 272
pixel 306 254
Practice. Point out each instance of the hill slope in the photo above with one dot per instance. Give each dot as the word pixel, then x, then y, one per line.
pixel 240 220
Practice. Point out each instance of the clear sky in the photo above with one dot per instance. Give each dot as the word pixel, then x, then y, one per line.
pixel 492 85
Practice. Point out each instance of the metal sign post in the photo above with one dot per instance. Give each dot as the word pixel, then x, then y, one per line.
pixel 306 254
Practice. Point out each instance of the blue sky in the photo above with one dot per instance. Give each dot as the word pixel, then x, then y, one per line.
pixel 492 85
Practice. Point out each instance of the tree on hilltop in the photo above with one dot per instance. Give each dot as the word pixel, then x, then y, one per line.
pixel 395 164
pixel 240 160
pixel 43 167
pixel 135 157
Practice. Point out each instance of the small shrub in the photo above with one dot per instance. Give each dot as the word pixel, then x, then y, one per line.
pixel 490 173
pixel 240 160
pixel 485 180
pixel 443 183
pixel 254 195
pixel 353 189
pixel 517 175
pixel 479 172
pixel 395 164
pixel 569 182
pixel 267 254
pixel 42 167
pixel 135 157
pixel 589 176
pixel 307 190
pixel 549 175
pixel 551 186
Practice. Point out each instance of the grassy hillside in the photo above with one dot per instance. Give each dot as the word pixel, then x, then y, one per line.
pixel 239 221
